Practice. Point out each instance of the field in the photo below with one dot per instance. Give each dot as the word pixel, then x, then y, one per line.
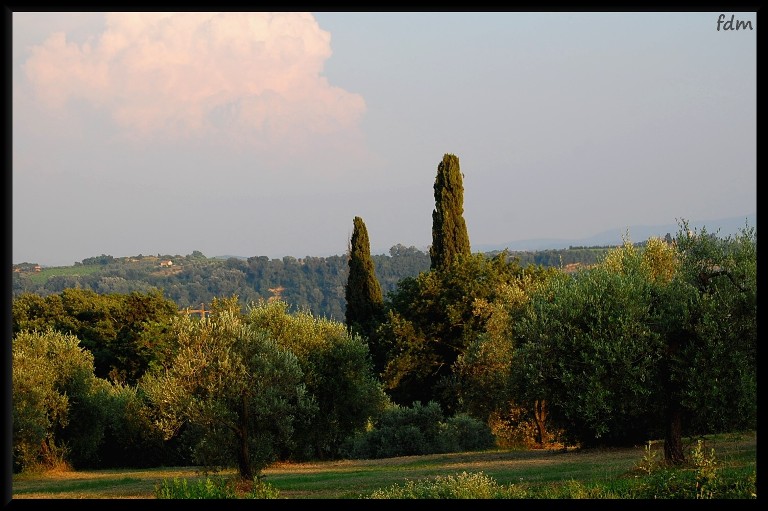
pixel 351 479
pixel 42 276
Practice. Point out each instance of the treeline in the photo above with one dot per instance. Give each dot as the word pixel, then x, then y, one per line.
pixel 311 283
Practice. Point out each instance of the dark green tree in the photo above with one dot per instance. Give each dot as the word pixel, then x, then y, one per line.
pixel 449 231
pixel 431 321
pixel 124 332
pixel 363 291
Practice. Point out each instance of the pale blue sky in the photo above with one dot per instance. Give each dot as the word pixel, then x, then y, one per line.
pixel 252 135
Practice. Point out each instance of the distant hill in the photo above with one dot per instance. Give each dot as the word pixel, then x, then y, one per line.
pixel 637 233
pixel 313 283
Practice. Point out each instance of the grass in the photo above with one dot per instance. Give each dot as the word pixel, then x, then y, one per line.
pixel 42 276
pixel 350 479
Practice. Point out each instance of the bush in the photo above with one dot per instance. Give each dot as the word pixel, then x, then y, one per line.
pixel 705 478
pixel 462 486
pixel 182 489
pixel 465 433
pixel 418 430
pixel 213 489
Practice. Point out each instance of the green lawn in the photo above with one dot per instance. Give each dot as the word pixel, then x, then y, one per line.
pixel 349 479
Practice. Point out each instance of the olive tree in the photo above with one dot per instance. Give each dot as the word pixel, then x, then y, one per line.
pixel 54 393
pixel 235 384
pixel 586 348
pixel 653 341
pixel 337 372
pixel 707 314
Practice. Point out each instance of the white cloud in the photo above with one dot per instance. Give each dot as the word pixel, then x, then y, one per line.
pixel 238 79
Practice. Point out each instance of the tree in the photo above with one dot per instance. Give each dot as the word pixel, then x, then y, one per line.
pixel 363 292
pixel 586 348
pixel 337 373
pixel 482 372
pixel 707 314
pixel 53 384
pixel 658 341
pixel 235 384
pixel 449 231
pixel 431 321
pixel 124 332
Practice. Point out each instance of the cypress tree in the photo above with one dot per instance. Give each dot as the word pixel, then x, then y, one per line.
pixel 363 292
pixel 449 231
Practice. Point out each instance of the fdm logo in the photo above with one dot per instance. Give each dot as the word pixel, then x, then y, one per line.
pixel 728 25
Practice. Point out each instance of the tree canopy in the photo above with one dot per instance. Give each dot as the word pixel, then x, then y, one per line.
pixel 449 230
pixel 235 384
pixel 659 342
pixel 363 292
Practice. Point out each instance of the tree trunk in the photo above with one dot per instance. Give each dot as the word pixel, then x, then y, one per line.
pixel 243 455
pixel 673 438
pixel 540 415
pixel 673 434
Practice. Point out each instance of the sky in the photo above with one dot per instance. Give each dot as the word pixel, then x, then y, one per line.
pixel 265 134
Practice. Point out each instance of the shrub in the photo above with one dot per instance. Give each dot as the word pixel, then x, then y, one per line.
pixel 703 478
pixel 217 488
pixel 465 433
pixel 183 489
pixel 461 486
pixel 417 430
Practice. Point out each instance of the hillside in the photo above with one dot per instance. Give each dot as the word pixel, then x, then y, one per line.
pixel 313 283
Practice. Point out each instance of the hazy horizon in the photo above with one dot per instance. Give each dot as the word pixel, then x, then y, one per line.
pixel 723 227
pixel 267 133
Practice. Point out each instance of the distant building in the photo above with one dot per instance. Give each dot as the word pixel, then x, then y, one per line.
pixel 277 293
pixel 166 263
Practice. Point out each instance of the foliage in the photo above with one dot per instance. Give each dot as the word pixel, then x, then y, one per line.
pixel 472 485
pixel 337 374
pixel 236 384
pixel 515 428
pixel 363 292
pixel 449 230
pixel 719 364
pixel 432 320
pixel 126 333
pixel 586 348
pixel 651 460
pixel 418 429
pixel 313 283
pixel 217 488
pixel 646 343
pixel 203 489
pixel 131 439
pixel 462 433
pixel 482 373
pixel 54 391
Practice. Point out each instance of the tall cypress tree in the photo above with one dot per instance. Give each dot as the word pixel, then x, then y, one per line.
pixel 363 292
pixel 449 231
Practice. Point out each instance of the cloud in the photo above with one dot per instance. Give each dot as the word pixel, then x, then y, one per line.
pixel 241 79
